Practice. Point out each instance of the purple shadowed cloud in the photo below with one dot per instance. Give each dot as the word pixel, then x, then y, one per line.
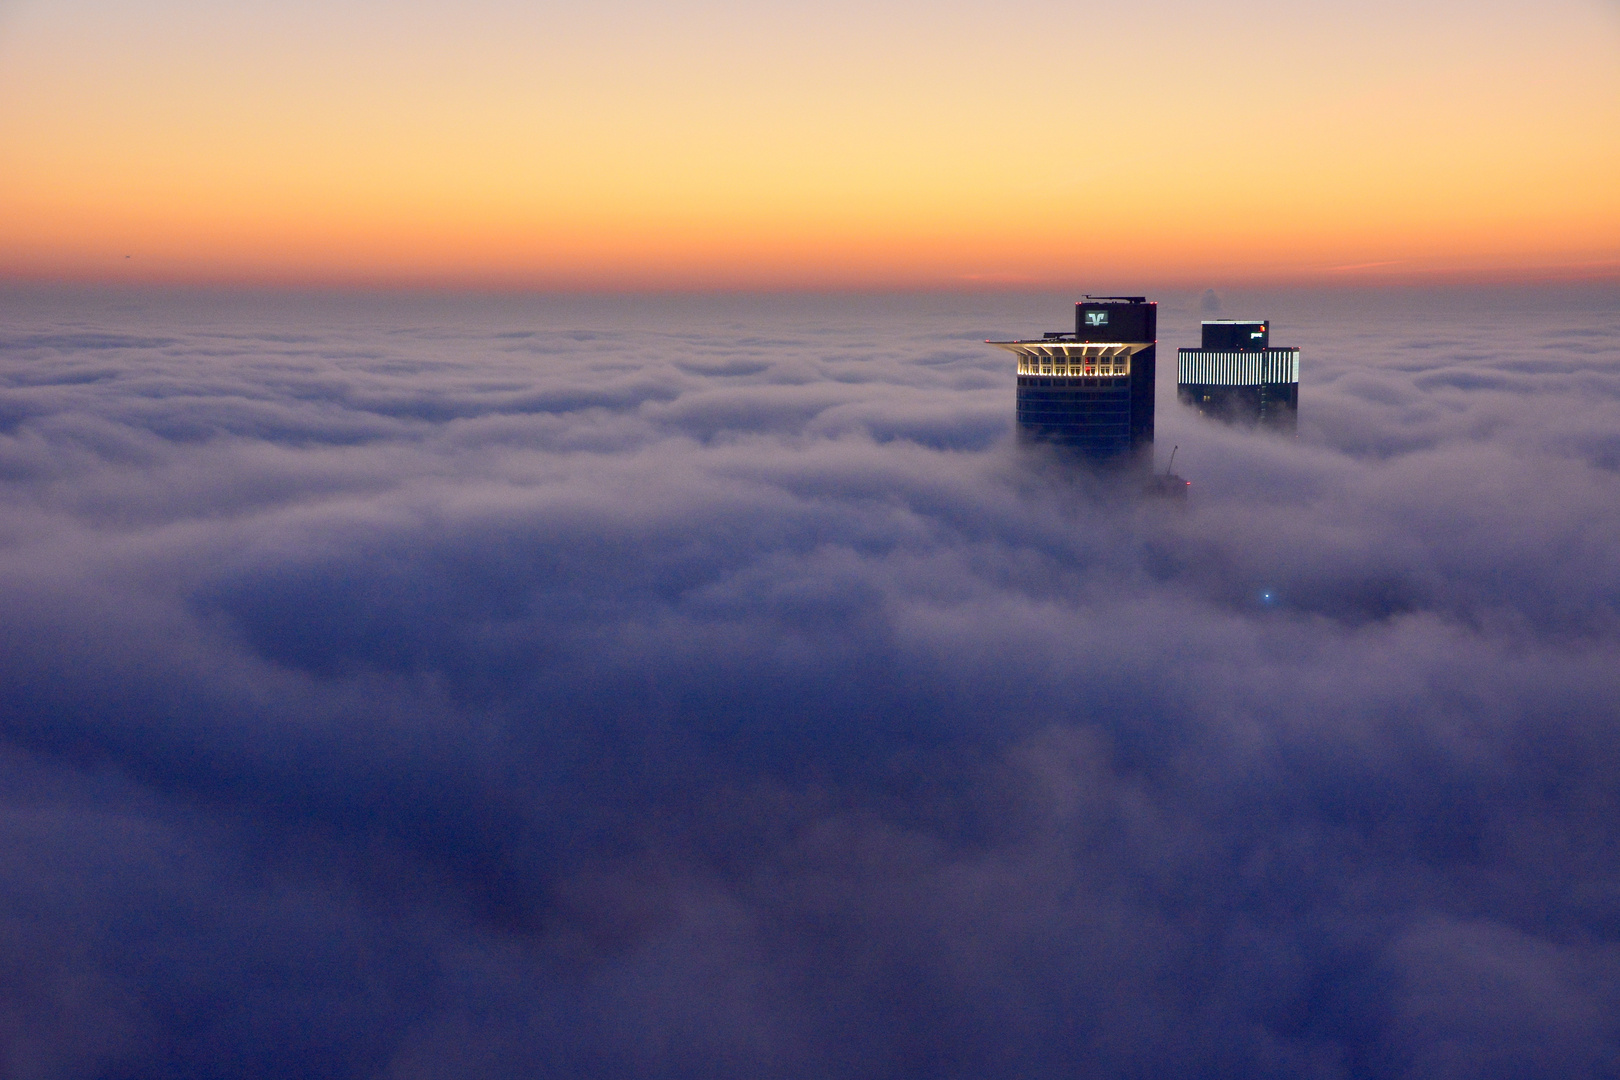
pixel 462 687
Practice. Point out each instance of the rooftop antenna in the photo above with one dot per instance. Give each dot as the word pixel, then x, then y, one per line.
pixel 1172 464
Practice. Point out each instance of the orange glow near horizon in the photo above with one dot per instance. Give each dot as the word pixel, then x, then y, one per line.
pixel 718 145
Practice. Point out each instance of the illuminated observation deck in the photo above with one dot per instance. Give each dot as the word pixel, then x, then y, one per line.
pixel 1055 356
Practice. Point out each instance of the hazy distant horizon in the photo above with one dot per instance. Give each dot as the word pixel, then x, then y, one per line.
pixel 809 281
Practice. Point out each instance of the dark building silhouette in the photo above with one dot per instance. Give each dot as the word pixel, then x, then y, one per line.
pixel 1091 392
pixel 1238 377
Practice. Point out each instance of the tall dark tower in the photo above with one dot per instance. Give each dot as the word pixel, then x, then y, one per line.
pixel 1091 392
pixel 1238 377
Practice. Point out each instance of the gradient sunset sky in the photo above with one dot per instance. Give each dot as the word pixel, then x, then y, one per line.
pixel 712 143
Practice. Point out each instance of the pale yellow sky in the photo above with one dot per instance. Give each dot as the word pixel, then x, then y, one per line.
pixel 632 143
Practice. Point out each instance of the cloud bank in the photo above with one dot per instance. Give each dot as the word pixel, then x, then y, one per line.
pixel 453 687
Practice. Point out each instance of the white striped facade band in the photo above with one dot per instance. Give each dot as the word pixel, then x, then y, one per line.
pixel 1201 367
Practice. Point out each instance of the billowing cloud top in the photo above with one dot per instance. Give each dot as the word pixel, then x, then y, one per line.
pixel 410 687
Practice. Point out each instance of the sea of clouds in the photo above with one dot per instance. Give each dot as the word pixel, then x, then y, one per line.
pixel 411 686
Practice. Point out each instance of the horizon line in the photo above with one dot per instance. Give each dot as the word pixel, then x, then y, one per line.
pixel 1351 277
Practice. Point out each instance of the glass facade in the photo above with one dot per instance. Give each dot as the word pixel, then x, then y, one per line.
pixel 1089 415
pixel 1268 405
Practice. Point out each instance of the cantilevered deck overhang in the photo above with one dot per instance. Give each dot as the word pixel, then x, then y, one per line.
pixel 1048 356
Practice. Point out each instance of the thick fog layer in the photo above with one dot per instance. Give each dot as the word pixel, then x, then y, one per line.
pixel 415 687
